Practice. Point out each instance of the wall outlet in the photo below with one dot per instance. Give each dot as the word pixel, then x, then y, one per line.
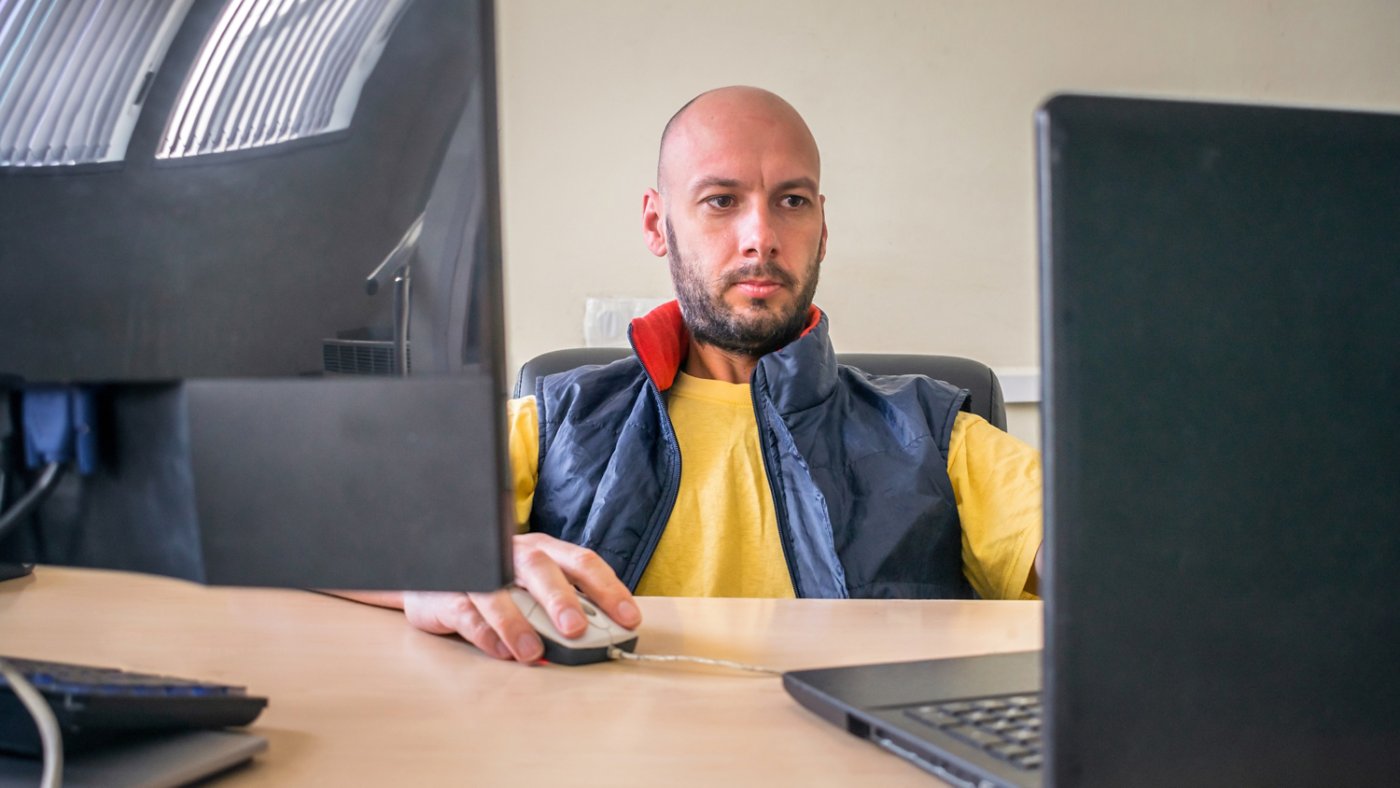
pixel 605 320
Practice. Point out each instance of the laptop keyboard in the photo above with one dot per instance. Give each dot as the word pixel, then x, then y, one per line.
pixel 1006 727
pixel 94 704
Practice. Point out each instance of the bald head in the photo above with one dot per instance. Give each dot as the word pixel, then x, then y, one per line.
pixel 723 118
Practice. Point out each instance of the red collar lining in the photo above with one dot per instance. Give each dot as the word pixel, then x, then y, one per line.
pixel 662 341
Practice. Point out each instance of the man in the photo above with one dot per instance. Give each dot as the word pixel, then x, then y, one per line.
pixel 730 456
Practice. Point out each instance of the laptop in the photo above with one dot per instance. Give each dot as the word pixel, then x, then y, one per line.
pixel 158 761
pixel 1221 410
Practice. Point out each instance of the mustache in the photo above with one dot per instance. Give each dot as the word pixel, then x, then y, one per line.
pixel 765 270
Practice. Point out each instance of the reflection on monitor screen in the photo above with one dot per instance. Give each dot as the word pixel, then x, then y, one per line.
pixel 254 246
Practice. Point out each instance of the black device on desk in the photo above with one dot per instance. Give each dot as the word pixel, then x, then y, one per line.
pixel 97 706
pixel 236 248
pixel 115 727
pixel 1221 328
pixel 250 294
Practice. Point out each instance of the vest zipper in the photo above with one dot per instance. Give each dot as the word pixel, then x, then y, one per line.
pixel 769 462
pixel 658 526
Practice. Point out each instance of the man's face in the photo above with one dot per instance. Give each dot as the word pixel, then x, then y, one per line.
pixel 744 226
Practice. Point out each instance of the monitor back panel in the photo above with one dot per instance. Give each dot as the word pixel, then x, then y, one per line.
pixel 1222 361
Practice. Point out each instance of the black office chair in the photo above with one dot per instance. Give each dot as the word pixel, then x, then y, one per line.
pixel 984 390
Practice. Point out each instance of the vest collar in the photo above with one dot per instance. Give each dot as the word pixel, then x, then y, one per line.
pixel 801 375
pixel 661 342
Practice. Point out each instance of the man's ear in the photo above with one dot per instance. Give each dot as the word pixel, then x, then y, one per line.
pixel 654 222
pixel 821 247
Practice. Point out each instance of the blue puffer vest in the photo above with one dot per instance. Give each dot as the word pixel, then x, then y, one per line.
pixel 857 463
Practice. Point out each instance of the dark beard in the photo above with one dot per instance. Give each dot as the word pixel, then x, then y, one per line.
pixel 710 320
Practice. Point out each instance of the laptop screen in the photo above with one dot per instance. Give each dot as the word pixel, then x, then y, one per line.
pixel 1221 328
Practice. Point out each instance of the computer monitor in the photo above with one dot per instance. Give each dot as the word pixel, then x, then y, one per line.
pixel 265 237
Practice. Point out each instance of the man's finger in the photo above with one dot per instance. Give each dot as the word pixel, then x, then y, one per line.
pixel 584 568
pixel 443 613
pixel 537 571
pixel 509 624
pixel 471 625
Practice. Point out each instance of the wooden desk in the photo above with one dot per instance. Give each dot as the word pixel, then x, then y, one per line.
pixel 360 698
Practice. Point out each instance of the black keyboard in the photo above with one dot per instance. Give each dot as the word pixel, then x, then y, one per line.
pixel 1007 727
pixel 96 705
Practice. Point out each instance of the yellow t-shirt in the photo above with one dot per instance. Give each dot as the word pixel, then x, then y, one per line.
pixel 722 538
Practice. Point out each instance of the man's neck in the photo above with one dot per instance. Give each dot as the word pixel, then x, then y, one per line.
pixel 712 363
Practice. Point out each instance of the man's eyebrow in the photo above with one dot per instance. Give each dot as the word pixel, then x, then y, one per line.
pixel 798 184
pixel 712 182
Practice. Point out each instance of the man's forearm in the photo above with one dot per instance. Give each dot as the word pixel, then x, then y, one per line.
pixel 393 599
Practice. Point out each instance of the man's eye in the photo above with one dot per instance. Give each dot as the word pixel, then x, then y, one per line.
pixel 793 201
pixel 721 201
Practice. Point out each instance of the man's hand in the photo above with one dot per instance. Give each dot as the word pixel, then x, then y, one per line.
pixel 549 569
pixel 1033 581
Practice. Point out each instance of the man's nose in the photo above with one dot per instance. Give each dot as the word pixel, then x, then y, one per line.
pixel 758 235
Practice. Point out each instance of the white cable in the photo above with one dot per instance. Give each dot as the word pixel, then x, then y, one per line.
pixel 618 654
pixel 39 709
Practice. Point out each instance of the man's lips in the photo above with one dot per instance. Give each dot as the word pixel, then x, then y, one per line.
pixel 757 288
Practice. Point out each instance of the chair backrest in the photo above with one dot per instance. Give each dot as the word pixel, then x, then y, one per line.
pixel 984 390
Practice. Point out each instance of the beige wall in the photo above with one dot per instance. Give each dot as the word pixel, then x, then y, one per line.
pixel 923 112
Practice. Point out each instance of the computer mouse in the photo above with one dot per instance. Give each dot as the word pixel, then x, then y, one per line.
pixel 592 646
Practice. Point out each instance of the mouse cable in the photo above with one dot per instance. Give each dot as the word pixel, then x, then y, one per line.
pixel 618 654
pixel 49 735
